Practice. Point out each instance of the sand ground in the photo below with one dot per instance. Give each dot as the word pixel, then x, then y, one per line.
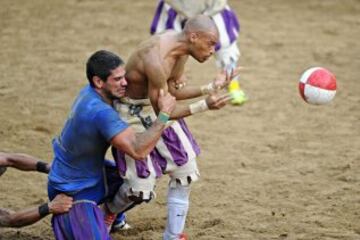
pixel 275 168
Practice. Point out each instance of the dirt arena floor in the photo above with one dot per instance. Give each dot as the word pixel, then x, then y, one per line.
pixel 275 168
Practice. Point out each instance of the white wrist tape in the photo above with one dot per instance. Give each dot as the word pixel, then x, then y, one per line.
pixel 199 106
pixel 207 89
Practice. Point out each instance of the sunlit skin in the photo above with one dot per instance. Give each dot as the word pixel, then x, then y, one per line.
pixel 159 63
pixel 203 45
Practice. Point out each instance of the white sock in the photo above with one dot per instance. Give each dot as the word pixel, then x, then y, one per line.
pixel 178 205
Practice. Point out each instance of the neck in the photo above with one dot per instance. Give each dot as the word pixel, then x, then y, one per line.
pixel 181 47
pixel 103 96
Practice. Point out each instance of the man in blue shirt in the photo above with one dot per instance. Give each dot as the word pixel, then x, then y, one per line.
pixel 92 126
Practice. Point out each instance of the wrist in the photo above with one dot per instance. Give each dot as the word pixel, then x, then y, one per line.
pixel 44 210
pixel 42 167
pixel 208 89
pixel 163 117
pixel 199 106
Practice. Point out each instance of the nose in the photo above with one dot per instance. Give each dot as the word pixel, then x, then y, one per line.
pixel 124 82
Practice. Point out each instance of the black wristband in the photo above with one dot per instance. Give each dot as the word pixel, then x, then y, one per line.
pixel 44 210
pixel 42 167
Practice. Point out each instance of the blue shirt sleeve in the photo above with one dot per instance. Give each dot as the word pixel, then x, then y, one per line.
pixel 109 123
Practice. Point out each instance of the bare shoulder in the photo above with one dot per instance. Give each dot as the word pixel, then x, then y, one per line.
pixel 149 50
pixel 143 54
pixel 151 56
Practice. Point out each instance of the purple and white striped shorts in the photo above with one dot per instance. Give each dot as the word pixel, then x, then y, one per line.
pixel 175 153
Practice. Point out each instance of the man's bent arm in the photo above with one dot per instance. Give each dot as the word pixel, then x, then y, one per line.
pixel 60 204
pixel 23 162
pixel 157 79
pixel 181 91
pixel 138 145
pixel 21 218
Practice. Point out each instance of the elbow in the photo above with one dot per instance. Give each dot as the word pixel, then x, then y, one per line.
pixel 10 162
pixel 6 160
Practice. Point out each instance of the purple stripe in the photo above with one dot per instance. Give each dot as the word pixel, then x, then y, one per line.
pixel 119 158
pixel 228 20
pixel 217 46
pixel 175 146
pixel 158 162
pixel 142 168
pixel 83 221
pixel 155 21
pixel 171 19
pixel 235 21
pixel 187 132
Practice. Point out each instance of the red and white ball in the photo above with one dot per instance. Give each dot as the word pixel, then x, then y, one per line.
pixel 317 86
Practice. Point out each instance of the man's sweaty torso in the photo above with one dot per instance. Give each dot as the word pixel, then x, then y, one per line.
pixel 153 66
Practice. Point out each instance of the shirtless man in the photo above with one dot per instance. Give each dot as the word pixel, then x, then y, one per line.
pixel 172 14
pixel 158 63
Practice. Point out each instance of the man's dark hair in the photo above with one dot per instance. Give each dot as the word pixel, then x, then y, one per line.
pixel 100 64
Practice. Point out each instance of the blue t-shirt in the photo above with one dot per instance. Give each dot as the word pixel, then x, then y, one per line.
pixel 80 149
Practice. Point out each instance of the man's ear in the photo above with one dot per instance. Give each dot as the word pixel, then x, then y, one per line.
pixel 193 37
pixel 98 82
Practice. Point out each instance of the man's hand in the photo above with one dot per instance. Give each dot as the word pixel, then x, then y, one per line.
pixel 166 102
pixel 217 101
pixel 60 204
pixel 224 78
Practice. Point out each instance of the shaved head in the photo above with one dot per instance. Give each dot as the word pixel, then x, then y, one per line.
pixel 202 35
pixel 200 23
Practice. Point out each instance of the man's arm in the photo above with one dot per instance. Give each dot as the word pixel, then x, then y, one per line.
pixel 157 79
pixel 138 146
pixel 23 162
pixel 181 91
pixel 60 204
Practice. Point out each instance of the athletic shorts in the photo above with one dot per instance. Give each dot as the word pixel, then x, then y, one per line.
pixel 85 220
pixel 175 153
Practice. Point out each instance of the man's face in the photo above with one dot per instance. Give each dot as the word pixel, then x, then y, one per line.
pixel 203 46
pixel 115 85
